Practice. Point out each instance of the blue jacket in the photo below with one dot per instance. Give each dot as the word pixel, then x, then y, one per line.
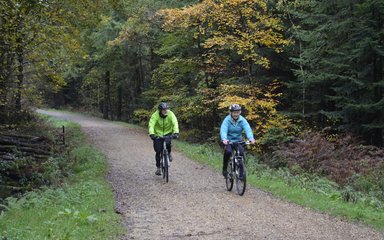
pixel 232 130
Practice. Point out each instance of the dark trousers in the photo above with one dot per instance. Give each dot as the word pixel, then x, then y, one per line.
pixel 228 149
pixel 158 146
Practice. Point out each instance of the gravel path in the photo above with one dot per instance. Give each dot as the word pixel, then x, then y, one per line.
pixel 194 203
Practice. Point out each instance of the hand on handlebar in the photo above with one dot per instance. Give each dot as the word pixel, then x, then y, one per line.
pixel 175 135
pixel 252 141
pixel 225 141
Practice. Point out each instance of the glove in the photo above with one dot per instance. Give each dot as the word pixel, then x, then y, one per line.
pixel 175 135
pixel 152 136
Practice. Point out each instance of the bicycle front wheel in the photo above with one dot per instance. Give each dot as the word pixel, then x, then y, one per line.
pixel 165 167
pixel 241 177
pixel 229 177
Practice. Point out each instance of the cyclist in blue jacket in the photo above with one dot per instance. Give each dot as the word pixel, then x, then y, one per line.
pixel 231 130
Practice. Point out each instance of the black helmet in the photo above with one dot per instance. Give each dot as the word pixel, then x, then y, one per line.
pixel 162 106
pixel 234 107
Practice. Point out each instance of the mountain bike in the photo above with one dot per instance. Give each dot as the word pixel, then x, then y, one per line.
pixel 164 157
pixel 236 169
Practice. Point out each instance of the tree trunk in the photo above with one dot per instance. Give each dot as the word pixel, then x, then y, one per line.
pixel 6 66
pixel 249 71
pixel 152 65
pixel 199 47
pixel 120 102
pixel 141 73
pixel 107 95
pixel 20 74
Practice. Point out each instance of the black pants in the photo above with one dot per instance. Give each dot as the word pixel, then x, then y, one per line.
pixel 228 153
pixel 158 146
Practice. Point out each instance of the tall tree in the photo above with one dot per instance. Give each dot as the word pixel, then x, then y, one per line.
pixel 340 58
pixel 34 34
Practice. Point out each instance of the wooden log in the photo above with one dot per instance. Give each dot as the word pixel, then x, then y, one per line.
pixel 25 137
pixel 7 157
pixel 26 144
pixel 21 150
pixel 7 148
pixel 14 187
pixel 34 150
pixel 13 147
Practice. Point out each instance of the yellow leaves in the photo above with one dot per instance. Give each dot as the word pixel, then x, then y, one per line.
pixel 239 25
pixel 228 100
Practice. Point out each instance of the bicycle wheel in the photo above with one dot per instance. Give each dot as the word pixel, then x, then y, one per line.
pixel 165 167
pixel 241 177
pixel 161 162
pixel 229 178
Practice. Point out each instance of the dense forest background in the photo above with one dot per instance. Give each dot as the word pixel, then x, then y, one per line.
pixel 293 65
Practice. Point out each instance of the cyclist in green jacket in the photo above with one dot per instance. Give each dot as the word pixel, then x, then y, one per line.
pixel 163 122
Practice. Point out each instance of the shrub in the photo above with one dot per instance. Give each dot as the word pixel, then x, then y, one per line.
pixel 141 117
pixel 338 159
pixel 274 136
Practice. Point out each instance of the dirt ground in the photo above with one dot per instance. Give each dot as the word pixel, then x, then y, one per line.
pixel 194 204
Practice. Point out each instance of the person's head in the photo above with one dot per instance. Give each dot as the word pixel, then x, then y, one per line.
pixel 235 111
pixel 163 108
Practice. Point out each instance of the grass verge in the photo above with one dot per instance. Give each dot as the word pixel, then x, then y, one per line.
pixel 316 193
pixel 80 208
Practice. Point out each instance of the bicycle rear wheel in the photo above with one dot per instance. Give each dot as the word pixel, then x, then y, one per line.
pixel 229 177
pixel 241 177
pixel 165 167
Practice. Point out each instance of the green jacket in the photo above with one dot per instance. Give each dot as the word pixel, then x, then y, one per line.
pixel 163 126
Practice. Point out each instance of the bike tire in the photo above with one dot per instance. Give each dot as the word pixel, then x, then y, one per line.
pixel 162 164
pixel 229 178
pixel 241 177
pixel 165 167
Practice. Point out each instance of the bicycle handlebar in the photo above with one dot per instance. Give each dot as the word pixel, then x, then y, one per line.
pixel 172 136
pixel 242 142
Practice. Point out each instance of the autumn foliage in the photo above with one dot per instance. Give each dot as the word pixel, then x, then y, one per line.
pixel 338 158
pixel 239 26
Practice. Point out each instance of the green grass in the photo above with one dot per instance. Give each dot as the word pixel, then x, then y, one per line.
pixel 81 208
pixel 302 191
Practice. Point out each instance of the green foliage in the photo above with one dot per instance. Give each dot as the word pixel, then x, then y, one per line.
pixel 12 118
pixel 273 137
pixel 174 44
pixel 173 74
pixel 339 73
pixel 141 117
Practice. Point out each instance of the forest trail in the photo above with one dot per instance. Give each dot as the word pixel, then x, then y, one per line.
pixel 195 204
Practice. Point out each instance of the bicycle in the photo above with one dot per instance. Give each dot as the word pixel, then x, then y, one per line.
pixel 164 156
pixel 236 169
